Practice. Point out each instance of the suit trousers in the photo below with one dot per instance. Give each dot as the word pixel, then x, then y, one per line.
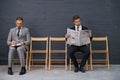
pixel 21 53
pixel 84 49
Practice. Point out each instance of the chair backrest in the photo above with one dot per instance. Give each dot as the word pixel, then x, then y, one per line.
pixel 101 39
pixel 39 39
pixel 57 39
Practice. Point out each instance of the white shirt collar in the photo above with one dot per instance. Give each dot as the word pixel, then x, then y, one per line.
pixel 17 27
pixel 80 27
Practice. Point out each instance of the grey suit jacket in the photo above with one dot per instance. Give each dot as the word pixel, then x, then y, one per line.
pixel 24 35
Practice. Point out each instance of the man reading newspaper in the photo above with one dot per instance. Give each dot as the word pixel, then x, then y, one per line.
pixel 76 46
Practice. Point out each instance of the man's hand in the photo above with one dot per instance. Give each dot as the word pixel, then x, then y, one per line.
pixel 67 36
pixel 89 35
pixel 22 43
pixel 13 43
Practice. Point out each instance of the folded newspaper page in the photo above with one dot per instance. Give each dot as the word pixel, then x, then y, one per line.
pixel 16 45
pixel 78 38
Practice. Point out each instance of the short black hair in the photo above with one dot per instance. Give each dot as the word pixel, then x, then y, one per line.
pixel 19 18
pixel 75 17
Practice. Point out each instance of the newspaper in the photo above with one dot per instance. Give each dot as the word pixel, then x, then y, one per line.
pixel 16 45
pixel 78 38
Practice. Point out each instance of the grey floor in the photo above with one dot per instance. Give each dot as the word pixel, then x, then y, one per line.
pixel 99 73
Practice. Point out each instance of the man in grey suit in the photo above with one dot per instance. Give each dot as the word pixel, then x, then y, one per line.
pixel 18 40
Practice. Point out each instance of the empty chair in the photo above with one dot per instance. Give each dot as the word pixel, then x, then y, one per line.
pixel 99 51
pixel 32 51
pixel 57 51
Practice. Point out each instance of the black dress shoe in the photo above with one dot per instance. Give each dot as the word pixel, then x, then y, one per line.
pixel 82 70
pixel 76 69
pixel 10 72
pixel 23 71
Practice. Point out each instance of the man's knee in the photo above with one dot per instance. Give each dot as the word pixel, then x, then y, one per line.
pixel 71 54
pixel 87 52
pixel 22 48
pixel 12 48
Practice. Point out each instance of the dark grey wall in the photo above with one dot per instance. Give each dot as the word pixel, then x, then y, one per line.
pixel 52 17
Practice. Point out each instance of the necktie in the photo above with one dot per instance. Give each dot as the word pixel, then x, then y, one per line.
pixel 77 28
pixel 18 33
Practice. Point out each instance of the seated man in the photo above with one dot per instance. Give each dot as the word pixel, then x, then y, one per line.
pixel 18 40
pixel 72 48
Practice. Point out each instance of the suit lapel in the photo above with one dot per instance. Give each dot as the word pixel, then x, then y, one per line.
pixel 21 31
pixel 15 31
pixel 73 28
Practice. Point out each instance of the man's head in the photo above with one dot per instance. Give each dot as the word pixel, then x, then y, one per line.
pixel 76 20
pixel 19 22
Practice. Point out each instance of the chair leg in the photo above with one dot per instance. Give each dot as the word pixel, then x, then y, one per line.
pixel 91 66
pixel 49 61
pixel 107 57
pixel 46 61
pixel 65 61
pixel 32 59
pixel 87 65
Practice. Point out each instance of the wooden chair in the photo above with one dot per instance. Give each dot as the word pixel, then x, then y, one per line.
pixel 35 39
pixel 79 60
pixel 106 52
pixel 26 60
pixel 57 39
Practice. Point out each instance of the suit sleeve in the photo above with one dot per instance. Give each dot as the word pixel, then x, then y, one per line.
pixel 91 33
pixel 27 42
pixel 85 28
pixel 9 39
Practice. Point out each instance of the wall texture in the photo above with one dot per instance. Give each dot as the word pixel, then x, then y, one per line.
pixel 52 17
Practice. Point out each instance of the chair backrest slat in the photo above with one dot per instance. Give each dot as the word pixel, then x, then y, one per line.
pixel 39 39
pixel 99 38
pixel 57 38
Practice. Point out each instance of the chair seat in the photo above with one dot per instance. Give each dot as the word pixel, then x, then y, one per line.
pixel 38 51
pixel 58 51
pixel 99 51
pixel 99 60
